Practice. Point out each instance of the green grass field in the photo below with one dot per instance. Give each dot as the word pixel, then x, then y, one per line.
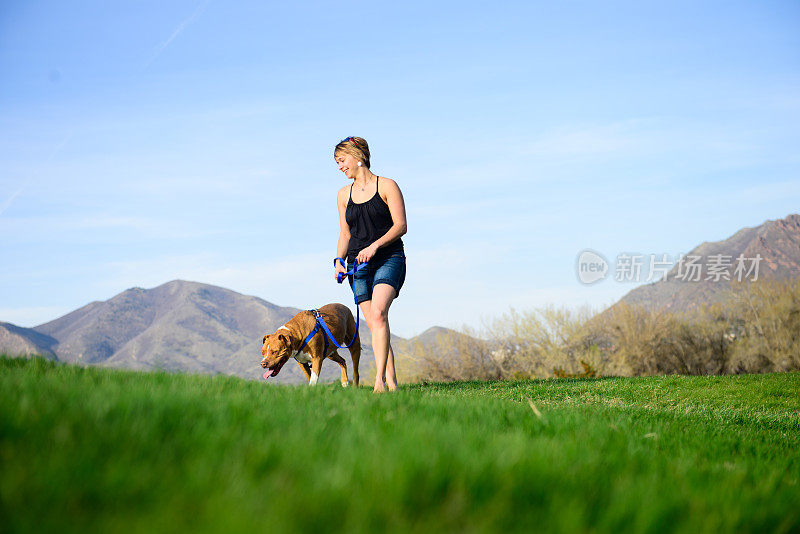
pixel 114 451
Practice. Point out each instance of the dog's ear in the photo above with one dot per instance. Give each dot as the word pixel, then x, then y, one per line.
pixel 264 339
pixel 283 338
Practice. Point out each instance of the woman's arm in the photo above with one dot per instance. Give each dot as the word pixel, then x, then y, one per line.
pixel 344 228
pixel 397 207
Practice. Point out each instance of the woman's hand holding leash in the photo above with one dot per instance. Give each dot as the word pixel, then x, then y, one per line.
pixel 342 274
pixel 340 270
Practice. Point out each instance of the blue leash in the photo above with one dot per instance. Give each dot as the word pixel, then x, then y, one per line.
pixel 321 322
pixel 356 267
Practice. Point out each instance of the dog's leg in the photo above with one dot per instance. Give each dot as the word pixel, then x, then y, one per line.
pixel 355 355
pixel 316 367
pixel 338 359
pixel 306 370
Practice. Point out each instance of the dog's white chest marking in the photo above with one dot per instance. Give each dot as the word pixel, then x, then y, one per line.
pixel 314 379
pixel 302 357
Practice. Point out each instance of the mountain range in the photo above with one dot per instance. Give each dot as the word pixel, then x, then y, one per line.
pixel 776 242
pixel 183 326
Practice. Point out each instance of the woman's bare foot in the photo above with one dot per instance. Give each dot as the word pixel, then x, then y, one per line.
pixel 392 387
pixel 379 388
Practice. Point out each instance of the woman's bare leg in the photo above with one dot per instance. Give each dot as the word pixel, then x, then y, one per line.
pixel 366 312
pixel 382 297
pixel 391 376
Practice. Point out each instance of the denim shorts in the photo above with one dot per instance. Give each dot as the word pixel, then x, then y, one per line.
pixel 387 270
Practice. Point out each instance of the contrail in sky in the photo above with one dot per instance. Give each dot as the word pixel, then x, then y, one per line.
pixel 177 31
pixel 8 202
pixel 59 146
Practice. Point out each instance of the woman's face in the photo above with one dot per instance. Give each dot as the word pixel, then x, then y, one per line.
pixel 347 164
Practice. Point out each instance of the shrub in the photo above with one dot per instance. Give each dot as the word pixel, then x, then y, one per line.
pixel 756 330
pixel 766 327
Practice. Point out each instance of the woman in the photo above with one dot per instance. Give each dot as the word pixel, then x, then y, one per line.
pixel 372 217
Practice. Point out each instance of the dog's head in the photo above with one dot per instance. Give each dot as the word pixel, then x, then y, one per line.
pixel 275 351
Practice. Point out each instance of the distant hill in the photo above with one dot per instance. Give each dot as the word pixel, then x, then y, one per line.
pixel 179 326
pixel 25 341
pixel 433 337
pixel 777 242
pixel 432 334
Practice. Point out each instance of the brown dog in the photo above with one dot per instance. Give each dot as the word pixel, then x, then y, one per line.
pixel 285 343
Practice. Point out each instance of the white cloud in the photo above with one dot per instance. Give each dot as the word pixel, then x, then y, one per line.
pixel 765 192
pixel 294 281
pixel 237 185
pixel 591 140
pixel 89 228
pixel 632 139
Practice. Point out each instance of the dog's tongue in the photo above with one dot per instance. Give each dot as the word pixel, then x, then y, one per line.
pixel 271 372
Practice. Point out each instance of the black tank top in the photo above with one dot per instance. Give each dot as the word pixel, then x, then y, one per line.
pixel 368 222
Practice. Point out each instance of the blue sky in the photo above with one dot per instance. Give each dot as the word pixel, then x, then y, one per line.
pixel 147 141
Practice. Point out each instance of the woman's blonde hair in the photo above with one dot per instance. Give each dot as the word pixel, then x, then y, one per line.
pixel 356 147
